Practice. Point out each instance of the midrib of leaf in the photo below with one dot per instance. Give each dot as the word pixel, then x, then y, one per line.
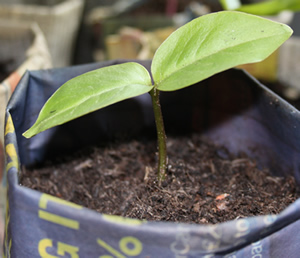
pixel 182 54
pixel 195 50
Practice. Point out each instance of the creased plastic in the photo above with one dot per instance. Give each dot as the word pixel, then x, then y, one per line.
pixel 231 108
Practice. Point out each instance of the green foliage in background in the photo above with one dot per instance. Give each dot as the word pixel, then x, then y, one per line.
pixel 268 7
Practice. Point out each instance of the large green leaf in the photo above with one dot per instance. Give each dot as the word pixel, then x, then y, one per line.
pixel 92 91
pixel 214 43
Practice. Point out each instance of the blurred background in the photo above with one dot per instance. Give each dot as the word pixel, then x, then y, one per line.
pixel 42 34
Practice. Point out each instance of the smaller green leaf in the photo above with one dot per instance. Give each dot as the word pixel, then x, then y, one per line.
pixel 267 7
pixel 214 43
pixel 264 8
pixel 230 4
pixel 92 91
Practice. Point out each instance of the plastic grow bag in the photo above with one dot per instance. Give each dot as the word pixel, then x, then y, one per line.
pixel 231 108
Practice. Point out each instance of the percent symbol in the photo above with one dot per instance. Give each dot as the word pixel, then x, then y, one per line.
pixel 130 246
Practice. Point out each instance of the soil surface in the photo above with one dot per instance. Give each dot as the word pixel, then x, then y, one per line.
pixel 205 183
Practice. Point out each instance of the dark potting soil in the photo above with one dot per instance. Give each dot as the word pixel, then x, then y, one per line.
pixel 205 183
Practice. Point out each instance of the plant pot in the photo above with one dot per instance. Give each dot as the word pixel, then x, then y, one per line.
pixel 58 19
pixel 230 108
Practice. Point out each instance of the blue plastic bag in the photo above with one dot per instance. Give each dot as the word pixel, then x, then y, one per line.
pixel 231 108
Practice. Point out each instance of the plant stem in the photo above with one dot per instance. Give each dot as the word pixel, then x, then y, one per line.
pixel 161 135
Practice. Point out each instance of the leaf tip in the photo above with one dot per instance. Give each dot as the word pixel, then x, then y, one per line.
pixel 30 132
pixel 27 134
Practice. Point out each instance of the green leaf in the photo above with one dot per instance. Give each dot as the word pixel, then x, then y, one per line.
pixel 230 4
pixel 92 91
pixel 268 7
pixel 214 43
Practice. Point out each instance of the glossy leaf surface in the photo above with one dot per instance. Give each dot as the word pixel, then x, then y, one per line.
pixel 92 91
pixel 214 43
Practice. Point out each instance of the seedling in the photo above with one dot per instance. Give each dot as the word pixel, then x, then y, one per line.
pixel 267 7
pixel 203 47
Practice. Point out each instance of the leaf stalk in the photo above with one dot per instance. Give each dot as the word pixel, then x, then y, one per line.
pixel 161 135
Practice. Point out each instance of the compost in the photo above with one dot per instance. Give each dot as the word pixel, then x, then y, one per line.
pixel 205 183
